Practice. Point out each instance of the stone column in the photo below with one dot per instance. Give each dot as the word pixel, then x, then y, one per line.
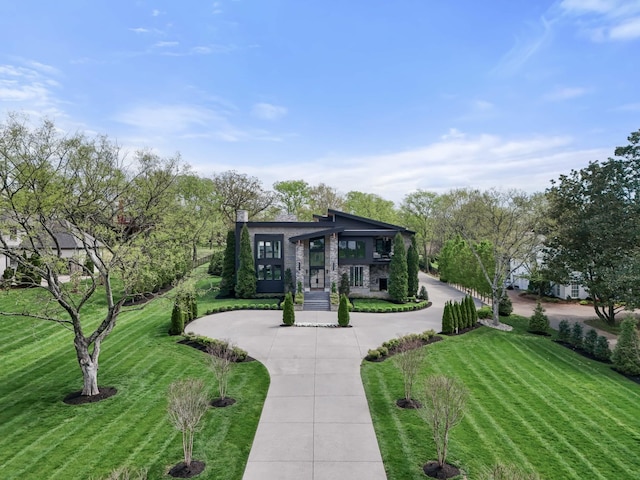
pixel 300 267
pixel 332 266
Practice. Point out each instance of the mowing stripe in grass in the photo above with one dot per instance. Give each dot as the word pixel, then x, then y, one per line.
pixel 501 391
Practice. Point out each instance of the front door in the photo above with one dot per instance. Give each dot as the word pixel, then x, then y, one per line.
pixel 316 279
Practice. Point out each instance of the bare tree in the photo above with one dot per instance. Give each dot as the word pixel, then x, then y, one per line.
pixel 445 399
pixel 222 359
pixel 238 191
pixel 410 357
pixel 187 405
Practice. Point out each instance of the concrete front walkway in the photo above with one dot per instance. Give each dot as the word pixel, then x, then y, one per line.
pixel 315 424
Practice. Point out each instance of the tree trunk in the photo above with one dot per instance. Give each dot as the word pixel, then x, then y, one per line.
pixel 89 366
pixel 495 307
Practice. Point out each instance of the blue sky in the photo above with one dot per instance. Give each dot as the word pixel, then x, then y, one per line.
pixel 378 96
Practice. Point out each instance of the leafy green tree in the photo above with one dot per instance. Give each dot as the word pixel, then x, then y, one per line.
pixel 292 195
pixel 247 281
pixel 237 191
pixel 586 244
pixel 323 197
pixel 343 311
pixel 419 212
pixel 228 280
pixel 412 268
pixel 370 205
pixel 398 278
pixel 626 354
pixel 288 312
pixel 539 322
pixel 497 226
pixel 115 210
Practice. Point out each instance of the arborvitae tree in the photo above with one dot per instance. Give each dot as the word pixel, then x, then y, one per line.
pixel 177 320
pixel 343 289
pixel 288 312
pixel 343 311
pixel 228 281
pixel 193 310
pixel 602 351
pixel 474 312
pixel 288 281
pixel 460 315
pixel 413 267
pixel 447 319
pixel 246 283
pixel 539 322
pixel 398 283
pixel 577 332
pixel 590 341
pixel 564 331
pixel 626 354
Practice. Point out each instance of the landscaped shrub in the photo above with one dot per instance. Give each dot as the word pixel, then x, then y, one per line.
pixel 288 280
pixel 412 268
pixel 577 332
pixel 484 312
pixel 505 308
pixel 590 341
pixel 423 295
pixel 564 331
pixel 343 311
pixel 177 320
pixel 288 312
pixel 626 354
pixel 539 322
pixel 246 281
pixel 215 264
pixel 343 288
pixel 447 319
pixel 602 351
pixel 398 277
pixel 228 274
pixel 373 354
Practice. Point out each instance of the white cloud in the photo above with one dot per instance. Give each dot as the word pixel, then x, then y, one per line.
pixel 525 47
pixel 629 107
pixel 565 93
pixel 166 44
pixel 140 30
pixel 155 13
pixel 605 20
pixel 268 111
pixel 627 30
pixel 167 118
pixel 30 87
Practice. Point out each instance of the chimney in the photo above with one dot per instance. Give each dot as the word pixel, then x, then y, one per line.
pixel 242 216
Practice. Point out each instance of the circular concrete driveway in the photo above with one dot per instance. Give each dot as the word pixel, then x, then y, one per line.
pixel 315 424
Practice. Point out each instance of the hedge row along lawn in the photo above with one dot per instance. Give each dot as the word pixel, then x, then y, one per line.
pixel 532 403
pixel 43 438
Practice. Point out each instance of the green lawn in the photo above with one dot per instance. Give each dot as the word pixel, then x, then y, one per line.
pixel 532 403
pixel 42 438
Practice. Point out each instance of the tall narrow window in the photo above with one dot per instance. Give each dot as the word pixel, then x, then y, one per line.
pixel 356 276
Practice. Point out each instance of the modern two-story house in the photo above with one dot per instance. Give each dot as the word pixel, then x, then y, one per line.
pixel 319 252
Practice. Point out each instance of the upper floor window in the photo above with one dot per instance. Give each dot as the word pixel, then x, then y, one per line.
pixel 269 249
pixel 351 249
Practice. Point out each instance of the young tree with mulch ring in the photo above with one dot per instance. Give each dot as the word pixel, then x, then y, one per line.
pixel 409 359
pixel 246 282
pixel 626 354
pixel 445 400
pixel 343 311
pixel 288 312
pixel 188 403
pixel 222 360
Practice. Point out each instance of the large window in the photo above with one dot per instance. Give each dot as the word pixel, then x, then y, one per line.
pixel 356 276
pixel 351 249
pixel 575 290
pixel 269 272
pixel 383 246
pixel 269 249
pixel 316 252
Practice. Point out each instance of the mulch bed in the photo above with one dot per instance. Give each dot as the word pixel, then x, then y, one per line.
pixel 633 378
pixel 222 402
pixel 182 471
pixel 410 404
pixel 203 348
pixel 432 470
pixel 542 334
pixel 145 297
pixel 579 351
pixel 433 339
pixel 76 398
pixel 462 331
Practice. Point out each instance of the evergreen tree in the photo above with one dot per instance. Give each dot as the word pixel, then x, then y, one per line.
pixel 460 318
pixel 602 351
pixel 343 311
pixel 343 288
pixel 577 332
pixel 423 295
pixel 215 264
pixel 412 268
pixel 177 320
pixel 246 283
pixel 590 341
pixel 505 308
pixel 398 280
pixel 539 322
pixel 564 331
pixel 228 281
pixel 447 319
pixel 626 354
pixel 288 312
pixel 473 314
pixel 288 281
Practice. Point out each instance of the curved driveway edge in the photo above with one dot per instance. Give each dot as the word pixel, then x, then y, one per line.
pixel 315 423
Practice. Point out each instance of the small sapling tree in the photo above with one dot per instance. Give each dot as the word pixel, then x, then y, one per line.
pixel 409 359
pixel 222 359
pixel 187 405
pixel 539 322
pixel 444 403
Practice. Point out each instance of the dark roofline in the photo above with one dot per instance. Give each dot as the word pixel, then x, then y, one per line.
pixel 321 233
pixel 330 211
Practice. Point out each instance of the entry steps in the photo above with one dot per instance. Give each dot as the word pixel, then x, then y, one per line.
pixel 317 301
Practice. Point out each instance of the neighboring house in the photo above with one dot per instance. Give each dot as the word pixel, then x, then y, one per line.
pixel 319 252
pixel 12 240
